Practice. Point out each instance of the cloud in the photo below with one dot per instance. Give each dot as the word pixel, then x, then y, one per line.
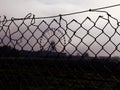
pixel 13 8
pixel 19 8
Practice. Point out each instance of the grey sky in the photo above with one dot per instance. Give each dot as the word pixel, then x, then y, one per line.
pixel 20 8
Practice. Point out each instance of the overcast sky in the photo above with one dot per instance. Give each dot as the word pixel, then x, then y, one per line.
pixel 19 8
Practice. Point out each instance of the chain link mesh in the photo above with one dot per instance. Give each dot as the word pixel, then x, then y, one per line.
pixel 60 37
pixel 96 38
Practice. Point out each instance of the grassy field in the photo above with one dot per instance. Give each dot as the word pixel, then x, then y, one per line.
pixel 60 74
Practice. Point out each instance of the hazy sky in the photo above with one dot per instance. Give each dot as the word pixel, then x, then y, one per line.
pixel 20 8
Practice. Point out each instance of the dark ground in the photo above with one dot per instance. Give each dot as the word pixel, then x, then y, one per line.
pixel 41 70
pixel 52 74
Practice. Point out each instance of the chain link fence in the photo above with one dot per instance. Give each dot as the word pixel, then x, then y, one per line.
pixel 85 50
pixel 61 35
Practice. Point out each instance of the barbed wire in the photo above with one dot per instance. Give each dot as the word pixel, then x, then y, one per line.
pixel 89 10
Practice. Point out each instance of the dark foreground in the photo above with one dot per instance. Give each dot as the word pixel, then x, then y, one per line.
pixel 51 74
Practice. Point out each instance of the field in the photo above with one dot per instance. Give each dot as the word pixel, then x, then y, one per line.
pixel 60 74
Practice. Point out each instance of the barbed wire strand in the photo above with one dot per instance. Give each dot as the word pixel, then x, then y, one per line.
pixel 54 16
